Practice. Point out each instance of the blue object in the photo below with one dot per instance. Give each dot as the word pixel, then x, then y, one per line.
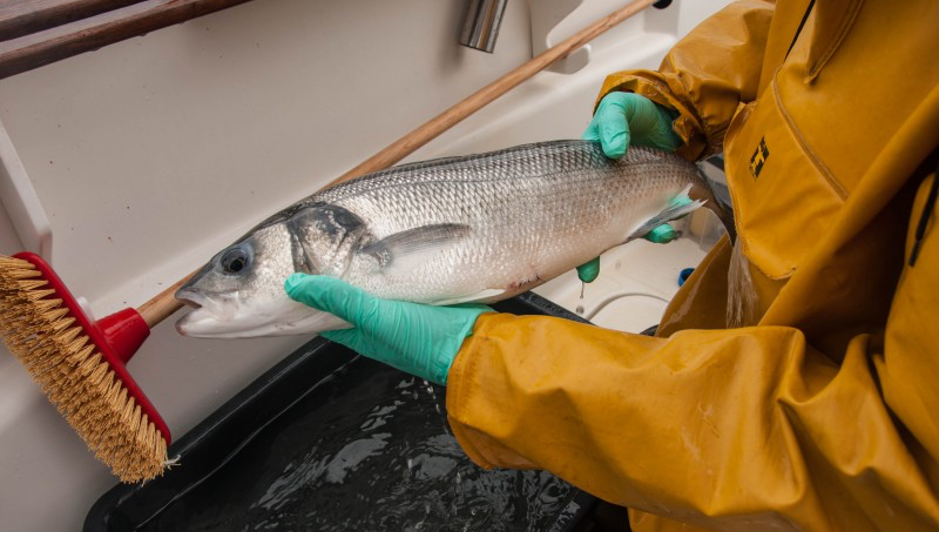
pixel 683 276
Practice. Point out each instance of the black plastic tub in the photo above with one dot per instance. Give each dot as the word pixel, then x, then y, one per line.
pixel 327 440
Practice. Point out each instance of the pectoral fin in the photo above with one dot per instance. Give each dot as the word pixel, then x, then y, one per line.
pixel 409 249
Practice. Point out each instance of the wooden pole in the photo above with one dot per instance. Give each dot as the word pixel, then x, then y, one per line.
pixel 34 50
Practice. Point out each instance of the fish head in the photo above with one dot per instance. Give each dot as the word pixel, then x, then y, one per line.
pixel 240 292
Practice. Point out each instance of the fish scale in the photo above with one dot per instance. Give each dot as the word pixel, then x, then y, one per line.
pixel 477 228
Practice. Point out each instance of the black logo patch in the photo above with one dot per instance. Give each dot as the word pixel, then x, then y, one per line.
pixel 760 155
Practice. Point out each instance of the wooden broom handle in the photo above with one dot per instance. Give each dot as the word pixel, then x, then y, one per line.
pixel 165 304
pixel 161 306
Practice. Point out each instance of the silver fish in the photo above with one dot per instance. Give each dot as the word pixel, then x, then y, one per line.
pixel 480 228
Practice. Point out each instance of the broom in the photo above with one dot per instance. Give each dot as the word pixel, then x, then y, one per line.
pixel 80 364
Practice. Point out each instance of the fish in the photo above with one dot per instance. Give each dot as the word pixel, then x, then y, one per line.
pixel 479 228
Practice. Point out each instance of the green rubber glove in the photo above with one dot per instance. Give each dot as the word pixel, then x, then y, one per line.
pixel 418 339
pixel 623 119
pixel 661 234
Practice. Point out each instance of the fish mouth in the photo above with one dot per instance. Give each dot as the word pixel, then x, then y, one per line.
pixel 209 314
pixel 219 316
pixel 190 298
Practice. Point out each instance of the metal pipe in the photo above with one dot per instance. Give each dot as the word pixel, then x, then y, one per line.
pixel 481 24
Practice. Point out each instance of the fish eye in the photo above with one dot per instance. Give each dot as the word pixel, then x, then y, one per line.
pixel 234 260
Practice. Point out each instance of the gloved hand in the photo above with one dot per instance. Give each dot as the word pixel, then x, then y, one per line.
pixel 661 234
pixel 418 339
pixel 623 119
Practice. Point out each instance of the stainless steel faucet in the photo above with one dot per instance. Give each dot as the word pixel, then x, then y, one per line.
pixel 481 24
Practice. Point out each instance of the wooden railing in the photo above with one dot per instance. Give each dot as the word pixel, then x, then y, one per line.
pixel 34 33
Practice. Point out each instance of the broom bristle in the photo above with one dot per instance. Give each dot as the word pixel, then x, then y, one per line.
pixel 74 376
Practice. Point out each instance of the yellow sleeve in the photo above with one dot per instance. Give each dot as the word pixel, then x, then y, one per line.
pixel 712 427
pixel 707 74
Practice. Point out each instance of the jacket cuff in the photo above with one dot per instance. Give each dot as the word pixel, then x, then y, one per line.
pixel 468 373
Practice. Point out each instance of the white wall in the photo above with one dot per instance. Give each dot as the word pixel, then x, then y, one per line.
pixel 152 154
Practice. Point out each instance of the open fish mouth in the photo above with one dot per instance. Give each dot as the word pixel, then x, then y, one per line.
pixel 220 316
pixel 211 315
pixel 223 305
pixel 190 298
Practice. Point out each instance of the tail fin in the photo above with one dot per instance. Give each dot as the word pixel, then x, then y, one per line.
pixel 702 189
pixel 726 216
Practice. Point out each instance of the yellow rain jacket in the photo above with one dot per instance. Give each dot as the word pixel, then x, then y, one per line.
pixel 794 381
